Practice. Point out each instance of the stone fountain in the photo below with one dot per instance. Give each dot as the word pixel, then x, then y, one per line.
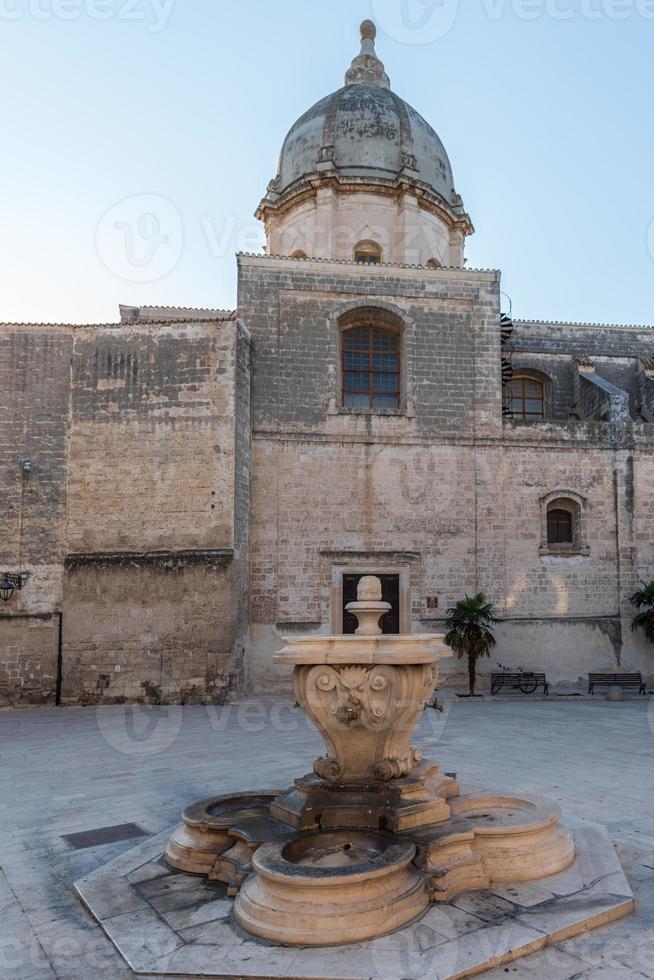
pixel 362 845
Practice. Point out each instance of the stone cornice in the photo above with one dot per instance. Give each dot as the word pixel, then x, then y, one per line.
pixel 139 325
pixel 584 437
pixel 381 270
pixel 160 559
pixel 562 324
pixel 307 190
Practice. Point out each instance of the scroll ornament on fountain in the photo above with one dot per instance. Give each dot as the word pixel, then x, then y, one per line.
pixel 366 692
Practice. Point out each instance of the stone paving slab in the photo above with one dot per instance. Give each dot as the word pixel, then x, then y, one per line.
pixel 70 769
pixel 170 924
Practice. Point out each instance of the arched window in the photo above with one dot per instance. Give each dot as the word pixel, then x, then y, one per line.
pixel 434 264
pixel 526 397
pixel 368 253
pixel 371 367
pixel 563 528
pixel 299 254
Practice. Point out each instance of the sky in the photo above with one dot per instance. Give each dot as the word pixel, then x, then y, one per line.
pixel 140 135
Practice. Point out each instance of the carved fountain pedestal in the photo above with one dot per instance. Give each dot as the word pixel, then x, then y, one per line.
pixel 362 845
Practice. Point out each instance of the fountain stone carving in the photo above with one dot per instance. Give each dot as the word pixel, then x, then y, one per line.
pixel 361 846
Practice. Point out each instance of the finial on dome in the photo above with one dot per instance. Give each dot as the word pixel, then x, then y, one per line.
pixel 367 69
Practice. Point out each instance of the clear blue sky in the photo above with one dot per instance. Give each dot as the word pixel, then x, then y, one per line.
pixel 179 109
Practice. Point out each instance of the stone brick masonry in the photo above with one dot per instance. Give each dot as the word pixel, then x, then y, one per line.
pixel 445 487
pixel 139 436
pixel 198 491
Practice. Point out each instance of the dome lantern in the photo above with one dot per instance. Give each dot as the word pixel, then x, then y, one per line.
pixel 367 69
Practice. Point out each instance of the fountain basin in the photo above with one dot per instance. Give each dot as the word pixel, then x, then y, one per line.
pixel 363 650
pixel 203 836
pixel 335 850
pixel 331 888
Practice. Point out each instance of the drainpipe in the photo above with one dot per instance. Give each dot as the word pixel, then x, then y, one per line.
pixel 60 660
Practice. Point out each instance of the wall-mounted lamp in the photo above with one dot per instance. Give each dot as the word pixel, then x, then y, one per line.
pixel 10 581
pixel 26 466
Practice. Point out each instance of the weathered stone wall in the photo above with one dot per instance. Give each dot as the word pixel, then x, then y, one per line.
pixel 136 460
pixel 240 569
pixel 553 347
pixel 29 648
pixel 181 520
pixel 451 346
pixel 151 462
pixel 152 631
pixel 447 491
pixel 34 404
pixel 351 488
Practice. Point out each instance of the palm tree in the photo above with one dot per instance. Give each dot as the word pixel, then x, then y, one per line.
pixel 644 600
pixel 470 631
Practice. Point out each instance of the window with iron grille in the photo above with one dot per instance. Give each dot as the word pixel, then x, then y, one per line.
pixel 560 526
pixel 526 398
pixel 371 368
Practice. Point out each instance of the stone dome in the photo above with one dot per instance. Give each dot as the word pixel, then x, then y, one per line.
pixel 362 172
pixel 364 130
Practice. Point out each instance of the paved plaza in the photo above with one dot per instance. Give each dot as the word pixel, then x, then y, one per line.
pixel 68 771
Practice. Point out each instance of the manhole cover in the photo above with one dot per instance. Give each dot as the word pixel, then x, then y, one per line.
pixel 105 835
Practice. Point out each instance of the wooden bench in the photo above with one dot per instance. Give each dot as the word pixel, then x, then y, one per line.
pixel 625 681
pixel 527 682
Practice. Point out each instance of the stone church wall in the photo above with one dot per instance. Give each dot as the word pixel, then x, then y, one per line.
pixel 34 396
pixel 355 490
pixel 155 632
pixel 128 519
pixel 197 492
pixel 453 499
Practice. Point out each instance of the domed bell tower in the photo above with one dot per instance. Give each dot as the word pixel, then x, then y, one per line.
pixel 363 177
